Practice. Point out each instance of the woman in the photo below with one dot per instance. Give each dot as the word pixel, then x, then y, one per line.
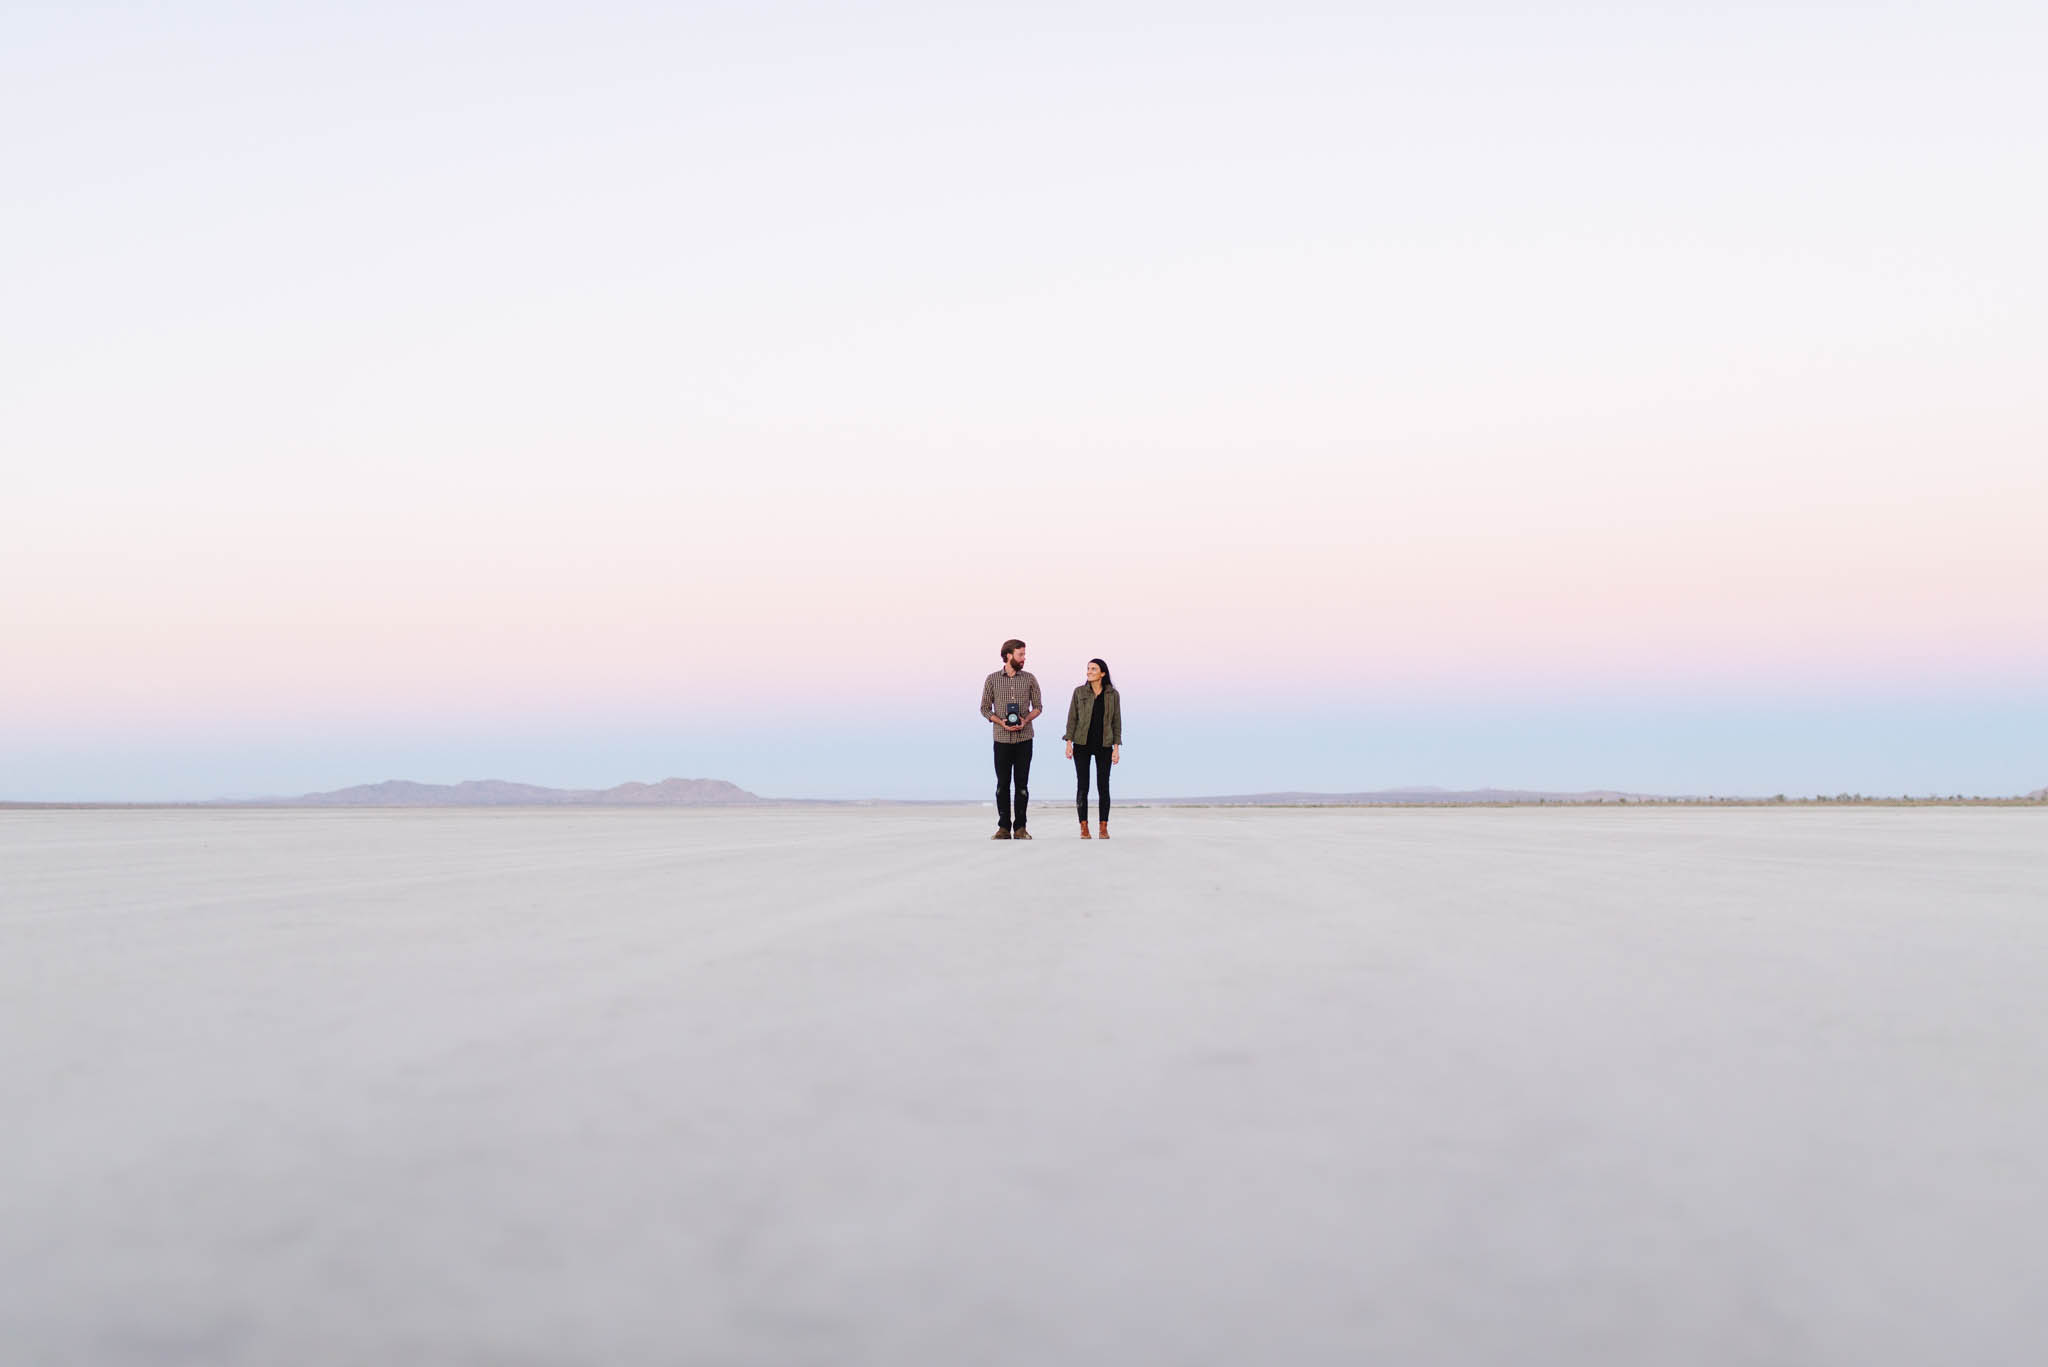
pixel 1095 730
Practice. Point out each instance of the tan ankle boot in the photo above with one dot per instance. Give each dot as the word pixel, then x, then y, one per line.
pixel 1102 829
pixel 1084 832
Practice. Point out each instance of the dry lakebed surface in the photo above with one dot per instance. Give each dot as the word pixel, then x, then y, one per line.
pixel 797 1085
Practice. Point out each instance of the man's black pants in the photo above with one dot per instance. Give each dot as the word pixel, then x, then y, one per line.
pixel 1100 754
pixel 1012 758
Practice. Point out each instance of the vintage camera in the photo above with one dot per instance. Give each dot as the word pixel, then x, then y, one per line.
pixel 1013 716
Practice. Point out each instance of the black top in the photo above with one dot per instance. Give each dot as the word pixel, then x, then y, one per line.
pixel 1095 720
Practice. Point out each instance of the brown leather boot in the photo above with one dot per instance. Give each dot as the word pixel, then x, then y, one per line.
pixel 1102 829
pixel 1084 832
pixel 1000 835
pixel 1022 834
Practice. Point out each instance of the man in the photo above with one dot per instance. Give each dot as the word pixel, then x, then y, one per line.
pixel 1011 689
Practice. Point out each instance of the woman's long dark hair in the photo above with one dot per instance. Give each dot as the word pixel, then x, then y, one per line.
pixel 1102 665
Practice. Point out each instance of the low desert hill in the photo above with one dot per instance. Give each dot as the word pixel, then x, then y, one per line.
pixel 492 792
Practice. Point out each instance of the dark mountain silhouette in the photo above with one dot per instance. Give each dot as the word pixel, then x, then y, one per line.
pixel 493 792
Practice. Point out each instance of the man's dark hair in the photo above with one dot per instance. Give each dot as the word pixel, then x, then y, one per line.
pixel 1012 644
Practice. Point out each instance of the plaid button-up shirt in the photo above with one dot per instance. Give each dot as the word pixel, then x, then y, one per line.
pixel 999 691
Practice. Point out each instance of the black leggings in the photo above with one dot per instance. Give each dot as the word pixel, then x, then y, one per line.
pixel 1102 762
pixel 1013 761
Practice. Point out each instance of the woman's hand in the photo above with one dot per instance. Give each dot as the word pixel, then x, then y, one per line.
pixel 1070 749
pixel 1116 754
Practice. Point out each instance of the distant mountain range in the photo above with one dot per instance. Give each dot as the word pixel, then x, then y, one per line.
pixel 714 792
pixel 492 792
pixel 1395 795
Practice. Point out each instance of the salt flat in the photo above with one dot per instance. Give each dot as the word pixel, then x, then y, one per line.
pixel 858 1086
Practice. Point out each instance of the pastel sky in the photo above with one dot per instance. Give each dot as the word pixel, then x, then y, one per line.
pixel 1626 396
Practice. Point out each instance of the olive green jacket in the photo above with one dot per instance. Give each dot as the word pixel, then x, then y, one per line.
pixel 1081 711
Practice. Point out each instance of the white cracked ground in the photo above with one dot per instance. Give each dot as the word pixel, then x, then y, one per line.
pixel 853 1086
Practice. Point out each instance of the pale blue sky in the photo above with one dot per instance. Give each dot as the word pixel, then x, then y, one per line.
pixel 1942 745
pixel 1633 396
